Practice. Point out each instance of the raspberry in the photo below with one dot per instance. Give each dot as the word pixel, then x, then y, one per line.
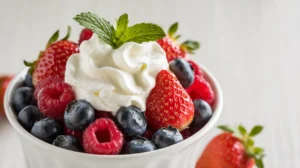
pixel 201 89
pixel 103 114
pixel 54 98
pixel 46 82
pixel 76 134
pixel 197 70
pixel 85 34
pixel 103 137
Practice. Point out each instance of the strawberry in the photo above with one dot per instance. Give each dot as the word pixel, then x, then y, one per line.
pixel 4 81
pixel 85 34
pixel 52 61
pixel 168 103
pixel 172 49
pixel 232 151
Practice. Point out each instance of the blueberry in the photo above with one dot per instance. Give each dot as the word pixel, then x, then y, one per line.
pixel 202 115
pixel 23 97
pixel 28 80
pixel 67 142
pixel 79 114
pixel 46 129
pixel 131 120
pixel 28 116
pixel 165 137
pixel 140 145
pixel 183 71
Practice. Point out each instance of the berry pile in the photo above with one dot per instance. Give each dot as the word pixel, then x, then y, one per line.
pixel 178 106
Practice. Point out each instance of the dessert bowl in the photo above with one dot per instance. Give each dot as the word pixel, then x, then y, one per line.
pixel 40 154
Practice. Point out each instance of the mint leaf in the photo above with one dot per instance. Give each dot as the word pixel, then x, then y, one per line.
pixel 173 29
pixel 122 25
pixel 98 25
pixel 256 130
pixel 242 130
pixel 142 32
pixel 226 128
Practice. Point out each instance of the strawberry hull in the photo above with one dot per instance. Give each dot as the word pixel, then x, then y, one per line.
pixel 44 155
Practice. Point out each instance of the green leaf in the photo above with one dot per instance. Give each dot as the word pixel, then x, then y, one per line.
pixel 190 46
pixel 226 128
pixel 259 163
pixel 249 142
pixel 98 25
pixel 122 25
pixel 142 32
pixel 177 37
pixel 258 151
pixel 242 130
pixel 68 34
pixel 256 130
pixel 29 64
pixel 173 29
pixel 53 38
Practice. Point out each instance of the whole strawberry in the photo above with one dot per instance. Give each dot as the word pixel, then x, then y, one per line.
pixel 4 81
pixel 52 61
pixel 174 50
pixel 232 151
pixel 168 103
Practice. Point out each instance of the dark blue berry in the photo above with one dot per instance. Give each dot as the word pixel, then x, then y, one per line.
pixel 23 97
pixel 67 142
pixel 28 116
pixel 140 145
pixel 183 71
pixel 46 129
pixel 131 120
pixel 79 114
pixel 202 114
pixel 165 137
pixel 28 80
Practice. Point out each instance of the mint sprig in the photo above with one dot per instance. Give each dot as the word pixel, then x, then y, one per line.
pixel 142 32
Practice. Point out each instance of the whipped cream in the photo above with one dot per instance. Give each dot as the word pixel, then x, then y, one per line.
pixel 110 79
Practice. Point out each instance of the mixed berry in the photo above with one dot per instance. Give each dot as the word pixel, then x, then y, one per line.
pixel 177 107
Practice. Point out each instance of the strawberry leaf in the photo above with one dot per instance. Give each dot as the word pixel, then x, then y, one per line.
pixel 226 128
pixel 242 130
pixel 98 25
pixel 68 34
pixel 256 130
pixel 259 163
pixel 122 25
pixel 258 151
pixel 53 38
pixel 190 46
pixel 173 29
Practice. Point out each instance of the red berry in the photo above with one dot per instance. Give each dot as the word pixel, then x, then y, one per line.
pixel 186 133
pixel 171 48
pixel 76 134
pixel 103 114
pixel 168 103
pixel 197 70
pixel 4 81
pixel 46 82
pixel 54 98
pixel 148 134
pixel 201 89
pixel 85 34
pixel 103 137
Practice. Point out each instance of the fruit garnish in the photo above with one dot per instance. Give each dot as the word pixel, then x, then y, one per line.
pixel 139 145
pixel 173 49
pixel 4 81
pixel 67 142
pixel 103 137
pixel 201 89
pixel 28 116
pixel 54 98
pixel 165 137
pixel 233 149
pixel 168 103
pixel 197 70
pixel 183 71
pixel 85 34
pixel 203 113
pixel 115 37
pixel 46 82
pixel 46 130
pixel 23 97
pixel 52 61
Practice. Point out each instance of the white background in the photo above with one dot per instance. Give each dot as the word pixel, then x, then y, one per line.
pixel 252 47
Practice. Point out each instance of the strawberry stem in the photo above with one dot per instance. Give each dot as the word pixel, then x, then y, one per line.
pixel 68 34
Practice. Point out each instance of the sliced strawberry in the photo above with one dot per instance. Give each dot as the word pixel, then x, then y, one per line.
pixel 168 103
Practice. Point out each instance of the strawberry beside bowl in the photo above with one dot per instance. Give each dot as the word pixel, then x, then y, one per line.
pixel 44 155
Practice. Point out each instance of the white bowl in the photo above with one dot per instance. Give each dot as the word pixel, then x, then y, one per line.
pixel 39 154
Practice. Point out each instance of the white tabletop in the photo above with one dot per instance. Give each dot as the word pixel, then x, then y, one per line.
pixel 252 47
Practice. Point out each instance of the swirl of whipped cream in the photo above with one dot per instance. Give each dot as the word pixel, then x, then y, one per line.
pixel 110 79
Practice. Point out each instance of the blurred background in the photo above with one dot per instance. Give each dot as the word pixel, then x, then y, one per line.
pixel 252 47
